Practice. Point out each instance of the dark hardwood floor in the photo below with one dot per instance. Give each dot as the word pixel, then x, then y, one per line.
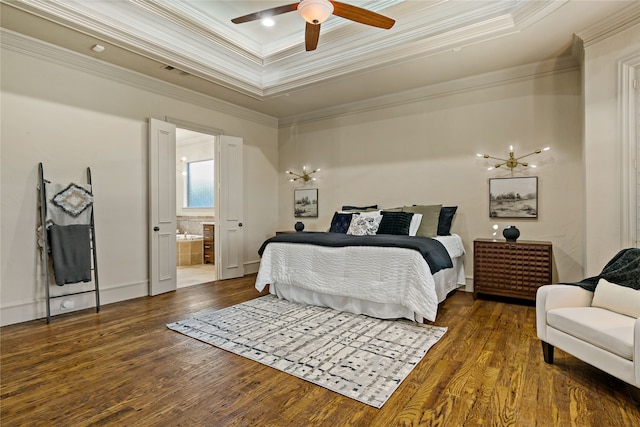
pixel 123 367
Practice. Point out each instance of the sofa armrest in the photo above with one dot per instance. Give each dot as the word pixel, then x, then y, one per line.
pixel 549 297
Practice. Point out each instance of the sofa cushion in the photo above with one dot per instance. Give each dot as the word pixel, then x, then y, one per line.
pixel 620 299
pixel 602 328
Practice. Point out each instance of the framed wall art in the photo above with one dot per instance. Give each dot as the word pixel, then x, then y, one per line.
pixel 305 203
pixel 513 197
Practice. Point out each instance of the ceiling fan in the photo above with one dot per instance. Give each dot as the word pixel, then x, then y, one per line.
pixel 315 12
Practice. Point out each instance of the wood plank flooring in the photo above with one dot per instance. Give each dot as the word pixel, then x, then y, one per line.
pixel 123 367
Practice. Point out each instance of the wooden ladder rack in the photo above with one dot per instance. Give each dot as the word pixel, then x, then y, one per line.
pixel 46 247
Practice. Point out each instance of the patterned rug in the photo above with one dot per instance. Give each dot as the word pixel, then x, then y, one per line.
pixel 357 356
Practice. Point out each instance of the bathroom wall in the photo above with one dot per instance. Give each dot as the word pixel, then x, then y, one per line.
pixel 192 224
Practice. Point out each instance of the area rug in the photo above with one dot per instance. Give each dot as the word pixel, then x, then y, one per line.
pixel 357 356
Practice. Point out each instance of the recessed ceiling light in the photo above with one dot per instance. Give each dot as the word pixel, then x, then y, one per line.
pixel 268 22
pixel 97 48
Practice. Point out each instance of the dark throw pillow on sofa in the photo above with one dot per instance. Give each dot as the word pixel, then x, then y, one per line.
pixel 395 223
pixel 446 218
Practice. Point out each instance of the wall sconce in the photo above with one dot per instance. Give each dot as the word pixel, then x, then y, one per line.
pixel 182 171
pixel 512 161
pixel 306 176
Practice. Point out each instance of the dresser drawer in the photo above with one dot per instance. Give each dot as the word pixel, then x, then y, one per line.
pixel 514 269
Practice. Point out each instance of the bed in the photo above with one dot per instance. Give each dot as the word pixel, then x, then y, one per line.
pixel 384 280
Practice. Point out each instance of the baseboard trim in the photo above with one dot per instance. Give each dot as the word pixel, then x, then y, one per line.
pixel 32 310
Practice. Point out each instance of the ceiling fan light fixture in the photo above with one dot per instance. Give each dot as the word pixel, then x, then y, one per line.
pixel 315 11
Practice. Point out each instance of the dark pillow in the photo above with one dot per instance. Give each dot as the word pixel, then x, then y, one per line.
pixel 395 223
pixel 359 208
pixel 340 222
pixel 446 218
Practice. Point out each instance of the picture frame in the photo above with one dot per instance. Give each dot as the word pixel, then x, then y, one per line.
pixel 305 203
pixel 513 197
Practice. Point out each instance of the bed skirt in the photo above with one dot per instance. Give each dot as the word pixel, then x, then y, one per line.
pixel 446 281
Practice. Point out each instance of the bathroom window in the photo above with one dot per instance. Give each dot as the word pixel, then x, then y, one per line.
pixel 200 184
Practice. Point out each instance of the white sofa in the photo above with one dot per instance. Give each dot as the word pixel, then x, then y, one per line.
pixel 606 339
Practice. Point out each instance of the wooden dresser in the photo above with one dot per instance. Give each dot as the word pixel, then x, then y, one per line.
pixel 511 269
pixel 207 243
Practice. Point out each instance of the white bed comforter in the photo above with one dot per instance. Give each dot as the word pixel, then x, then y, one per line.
pixel 395 276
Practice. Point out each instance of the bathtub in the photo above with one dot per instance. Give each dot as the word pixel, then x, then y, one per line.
pixel 180 237
pixel 188 249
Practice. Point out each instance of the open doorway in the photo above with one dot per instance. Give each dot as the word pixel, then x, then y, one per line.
pixel 195 210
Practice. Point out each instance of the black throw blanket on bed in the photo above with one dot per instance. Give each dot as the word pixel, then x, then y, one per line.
pixel 433 252
pixel 623 269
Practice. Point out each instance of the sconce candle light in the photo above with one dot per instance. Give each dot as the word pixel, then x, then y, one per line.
pixel 513 161
pixel 305 176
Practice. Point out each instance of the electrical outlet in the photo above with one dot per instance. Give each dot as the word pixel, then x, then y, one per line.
pixel 67 304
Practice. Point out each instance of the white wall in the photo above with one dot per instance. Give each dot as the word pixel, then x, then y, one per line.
pixel 69 119
pixel 603 146
pixel 424 153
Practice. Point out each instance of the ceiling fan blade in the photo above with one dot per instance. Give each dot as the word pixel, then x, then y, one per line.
pixel 311 36
pixel 363 16
pixel 266 13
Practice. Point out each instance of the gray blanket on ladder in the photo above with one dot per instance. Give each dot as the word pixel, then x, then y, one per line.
pixel 71 253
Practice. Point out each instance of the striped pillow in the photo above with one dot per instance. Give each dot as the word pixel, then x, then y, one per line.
pixel 395 223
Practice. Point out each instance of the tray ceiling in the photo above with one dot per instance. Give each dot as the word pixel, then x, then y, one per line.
pixel 194 44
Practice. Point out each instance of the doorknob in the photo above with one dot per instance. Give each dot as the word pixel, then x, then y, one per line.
pixel 156 228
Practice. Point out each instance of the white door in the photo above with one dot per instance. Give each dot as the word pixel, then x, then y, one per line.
pixel 636 118
pixel 229 247
pixel 162 207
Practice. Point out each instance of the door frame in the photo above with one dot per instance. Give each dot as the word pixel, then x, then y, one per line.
pixel 215 132
pixel 628 70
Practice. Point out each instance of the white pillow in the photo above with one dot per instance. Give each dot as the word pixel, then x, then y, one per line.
pixel 364 225
pixel 620 299
pixel 415 224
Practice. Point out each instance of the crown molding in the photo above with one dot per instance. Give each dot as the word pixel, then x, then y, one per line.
pixel 214 53
pixel 20 43
pixel 388 51
pixel 230 71
pixel 614 24
pixel 453 87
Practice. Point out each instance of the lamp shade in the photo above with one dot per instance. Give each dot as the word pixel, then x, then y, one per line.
pixel 315 11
